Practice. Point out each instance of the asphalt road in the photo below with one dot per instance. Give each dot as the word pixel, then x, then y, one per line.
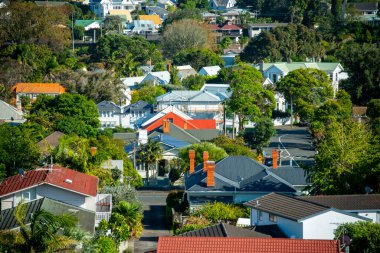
pixel 155 222
pixel 295 145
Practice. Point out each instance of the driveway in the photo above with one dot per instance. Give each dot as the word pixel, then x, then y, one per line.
pixel 295 145
pixel 155 222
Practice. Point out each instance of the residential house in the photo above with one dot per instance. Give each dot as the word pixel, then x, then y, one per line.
pixel 367 8
pixel 158 10
pixel 222 5
pixel 138 112
pixel 154 18
pixel 49 143
pixel 257 28
pixel 173 115
pixel 147 69
pixel 234 179
pixel 88 24
pixel 132 83
pixel 157 78
pixel 298 218
pixel 235 15
pixel 85 217
pixel 141 27
pixel 33 90
pixel 174 244
pixel 125 15
pixel 228 29
pixel 365 205
pixel 359 114
pixel 165 4
pixel 200 104
pixel 277 70
pixel 185 71
pixel 229 59
pixel 209 71
pixel 224 230
pixel 102 7
pixel 131 116
pixel 210 18
pixel 111 115
pixel 11 114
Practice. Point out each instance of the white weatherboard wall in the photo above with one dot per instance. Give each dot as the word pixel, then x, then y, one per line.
pixel 322 226
pixel 371 215
pixel 67 196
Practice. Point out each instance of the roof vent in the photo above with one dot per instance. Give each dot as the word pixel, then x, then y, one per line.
pixel 257 202
pixel 69 181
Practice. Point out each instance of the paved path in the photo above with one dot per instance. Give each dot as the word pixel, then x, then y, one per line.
pixel 155 222
pixel 295 145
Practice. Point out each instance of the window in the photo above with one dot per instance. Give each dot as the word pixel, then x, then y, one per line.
pixel 259 215
pixel 274 76
pixel 272 218
pixel 331 75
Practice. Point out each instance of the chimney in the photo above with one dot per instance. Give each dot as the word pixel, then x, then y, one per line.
pixel 166 128
pixel 261 65
pixel 210 174
pixel 191 158
pixel 205 159
pixel 169 67
pixel 185 125
pixel 93 150
pixel 274 158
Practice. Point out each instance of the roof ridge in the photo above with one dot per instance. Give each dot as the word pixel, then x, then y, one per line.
pixel 224 229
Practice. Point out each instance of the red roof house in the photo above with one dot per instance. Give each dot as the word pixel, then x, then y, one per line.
pixel 57 183
pixel 246 245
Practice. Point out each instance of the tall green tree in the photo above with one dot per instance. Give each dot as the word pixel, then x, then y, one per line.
pixel 149 155
pixel 259 136
pixel 234 146
pixel 68 113
pixel 132 215
pixel 147 93
pixel 305 89
pixel 249 99
pixel 197 58
pixel 340 159
pixel 215 153
pixel 17 150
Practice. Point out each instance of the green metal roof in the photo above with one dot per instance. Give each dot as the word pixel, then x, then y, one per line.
pixel 86 22
pixel 287 67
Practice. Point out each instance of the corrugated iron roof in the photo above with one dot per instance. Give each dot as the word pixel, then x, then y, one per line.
pixel 77 181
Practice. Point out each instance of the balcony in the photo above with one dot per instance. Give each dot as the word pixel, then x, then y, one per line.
pixel 103 208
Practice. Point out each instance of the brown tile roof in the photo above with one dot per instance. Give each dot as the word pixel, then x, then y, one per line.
pixel 224 230
pixel 285 206
pixel 47 88
pixel 347 202
pixel 359 110
pixel 50 142
pixel 246 245
pixel 80 182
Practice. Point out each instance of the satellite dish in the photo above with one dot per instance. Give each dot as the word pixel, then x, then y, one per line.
pixel 21 172
pixel 368 189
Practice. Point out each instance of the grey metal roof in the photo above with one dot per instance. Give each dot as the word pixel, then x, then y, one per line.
pixel 204 134
pixel 8 112
pixel 286 206
pixel 188 95
pixel 347 202
pixel 86 218
pixel 366 6
pixel 271 230
pixel 158 10
pixel 238 173
pixel 224 230
pixel 138 106
pixel 177 133
pixel 293 175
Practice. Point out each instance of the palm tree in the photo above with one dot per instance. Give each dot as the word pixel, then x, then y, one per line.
pixel 44 233
pixel 150 153
pixel 132 216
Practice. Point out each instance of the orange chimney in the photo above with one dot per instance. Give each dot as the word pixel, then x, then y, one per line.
pixel 210 173
pixel 166 127
pixel 93 150
pixel 274 158
pixel 191 157
pixel 205 158
pixel 185 125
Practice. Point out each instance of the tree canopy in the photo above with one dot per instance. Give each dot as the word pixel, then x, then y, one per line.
pixel 259 136
pixel 215 153
pixel 197 58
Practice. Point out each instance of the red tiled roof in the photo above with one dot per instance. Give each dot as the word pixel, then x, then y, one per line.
pixel 80 182
pixel 230 27
pixel 246 245
pixel 47 88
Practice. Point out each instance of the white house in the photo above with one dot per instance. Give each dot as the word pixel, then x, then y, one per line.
pixel 102 7
pixel 185 71
pixel 10 114
pixel 256 29
pixel 132 82
pixel 222 5
pixel 157 78
pixel 277 70
pixel 365 205
pixel 209 71
pixel 298 218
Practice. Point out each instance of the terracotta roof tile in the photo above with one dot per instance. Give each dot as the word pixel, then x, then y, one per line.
pixel 246 245
pixel 48 88
pixel 80 182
